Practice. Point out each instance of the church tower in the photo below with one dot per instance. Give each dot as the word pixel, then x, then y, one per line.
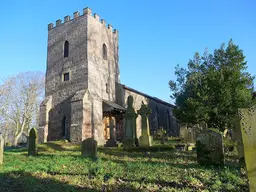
pixel 82 72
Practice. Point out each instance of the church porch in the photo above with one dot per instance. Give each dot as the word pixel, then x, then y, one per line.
pixel 113 121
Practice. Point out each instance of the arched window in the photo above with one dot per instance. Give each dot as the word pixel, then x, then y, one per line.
pixel 104 52
pixel 168 121
pixel 156 119
pixel 66 46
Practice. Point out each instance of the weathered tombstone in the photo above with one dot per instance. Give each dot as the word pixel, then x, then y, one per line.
pixel 89 148
pixel 1 149
pixel 161 134
pixel 129 124
pixel 247 129
pixel 210 148
pixel 183 131
pixel 111 142
pixel 191 135
pixel 225 132
pixel 145 138
pixel 203 125
pixel 32 142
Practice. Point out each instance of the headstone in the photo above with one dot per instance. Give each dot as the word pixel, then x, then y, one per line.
pixel 210 148
pixel 145 138
pixel 203 125
pixel 238 139
pixel 130 124
pixel 191 135
pixel 1 149
pixel 183 131
pixel 32 142
pixel 89 148
pixel 111 142
pixel 225 133
pixel 247 125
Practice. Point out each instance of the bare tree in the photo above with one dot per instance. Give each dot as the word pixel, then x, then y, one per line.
pixel 21 96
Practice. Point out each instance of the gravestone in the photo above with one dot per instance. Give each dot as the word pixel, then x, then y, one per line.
pixel 130 124
pixel 32 142
pixel 203 125
pixel 191 135
pixel 247 131
pixel 89 148
pixel 210 148
pixel 111 142
pixel 183 131
pixel 1 149
pixel 145 138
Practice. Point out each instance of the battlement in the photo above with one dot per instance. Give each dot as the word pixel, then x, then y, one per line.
pixel 76 15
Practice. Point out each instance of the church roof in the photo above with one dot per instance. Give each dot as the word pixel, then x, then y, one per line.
pixel 112 106
pixel 148 96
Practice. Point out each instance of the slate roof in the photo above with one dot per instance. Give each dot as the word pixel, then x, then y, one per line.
pixel 148 96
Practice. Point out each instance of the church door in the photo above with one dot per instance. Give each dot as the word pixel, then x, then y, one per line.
pixel 106 128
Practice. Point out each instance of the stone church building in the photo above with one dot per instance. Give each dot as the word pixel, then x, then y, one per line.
pixel 83 90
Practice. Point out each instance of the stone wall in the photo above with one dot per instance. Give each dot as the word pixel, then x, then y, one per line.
pixel 73 31
pixel 45 107
pixel 160 110
pixel 89 73
pixel 87 69
pixel 103 72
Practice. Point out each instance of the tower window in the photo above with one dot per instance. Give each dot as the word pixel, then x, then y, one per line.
pixel 104 52
pixel 66 47
pixel 66 77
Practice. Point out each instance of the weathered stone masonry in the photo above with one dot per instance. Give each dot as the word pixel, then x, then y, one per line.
pixel 82 78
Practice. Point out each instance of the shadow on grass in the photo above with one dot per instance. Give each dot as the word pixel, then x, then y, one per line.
pixel 44 147
pixel 16 149
pixel 167 184
pixel 158 163
pixel 20 182
pixel 57 147
pixel 187 155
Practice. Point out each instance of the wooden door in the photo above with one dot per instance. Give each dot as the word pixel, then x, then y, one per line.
pixel 106 128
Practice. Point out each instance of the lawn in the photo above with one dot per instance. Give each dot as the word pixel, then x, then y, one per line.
pixel 59 167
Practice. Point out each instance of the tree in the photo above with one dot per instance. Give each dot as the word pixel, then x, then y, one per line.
pixel 21 96
pixel 212 87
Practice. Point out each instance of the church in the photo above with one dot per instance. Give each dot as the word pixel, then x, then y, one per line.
pixel 82 87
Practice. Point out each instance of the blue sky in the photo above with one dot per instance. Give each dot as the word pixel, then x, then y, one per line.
pixel 154 36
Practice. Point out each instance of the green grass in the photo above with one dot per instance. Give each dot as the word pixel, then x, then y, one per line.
pixel 59 167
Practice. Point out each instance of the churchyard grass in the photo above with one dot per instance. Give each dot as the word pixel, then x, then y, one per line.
pixel 59 166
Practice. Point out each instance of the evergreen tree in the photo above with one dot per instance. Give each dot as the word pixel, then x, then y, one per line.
pixel 212 87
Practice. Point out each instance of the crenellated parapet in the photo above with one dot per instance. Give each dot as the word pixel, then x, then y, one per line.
pixel 76 15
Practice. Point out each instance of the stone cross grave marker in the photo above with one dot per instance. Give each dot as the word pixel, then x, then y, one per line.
pixel 210 148
pixel 89 148
pixel 247 125
pixel 145 138
pixel 32 142
pixel 130 124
